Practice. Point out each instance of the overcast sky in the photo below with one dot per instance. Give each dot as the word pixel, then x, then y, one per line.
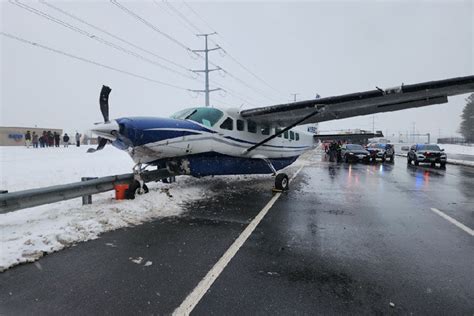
pixel 329 48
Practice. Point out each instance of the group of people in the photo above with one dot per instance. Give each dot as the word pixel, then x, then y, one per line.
pixel 334 151
pixel 49 139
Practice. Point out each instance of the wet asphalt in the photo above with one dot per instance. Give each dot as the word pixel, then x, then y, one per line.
pixel 346 239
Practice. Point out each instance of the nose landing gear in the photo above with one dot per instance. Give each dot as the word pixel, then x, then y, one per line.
pixel 138 186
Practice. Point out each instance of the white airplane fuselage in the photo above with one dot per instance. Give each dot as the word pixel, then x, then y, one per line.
pixel 208 142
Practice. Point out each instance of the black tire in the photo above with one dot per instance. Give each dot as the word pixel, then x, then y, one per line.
pixel 433 164
pixel 442 165
pixel 282 182
pixel 134 189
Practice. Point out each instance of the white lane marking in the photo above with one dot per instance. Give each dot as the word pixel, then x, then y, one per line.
pixel 455 222
pixel 196 295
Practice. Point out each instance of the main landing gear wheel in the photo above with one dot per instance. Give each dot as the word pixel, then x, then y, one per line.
pixel 135 189
pixel 282 182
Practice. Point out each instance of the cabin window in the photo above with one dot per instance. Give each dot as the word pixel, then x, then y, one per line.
pixel 292 135
pixel 285 134
pixel 265 130
pixel 205 116
pixel 228 124
pixel 297 136
pixel 251 127
pixel 240 125
pixel 277 130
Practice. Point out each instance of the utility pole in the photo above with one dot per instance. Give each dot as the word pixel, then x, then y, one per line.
pixel 294 96
pixel 206 70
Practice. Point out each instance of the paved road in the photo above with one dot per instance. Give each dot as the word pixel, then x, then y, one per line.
pixel 344 239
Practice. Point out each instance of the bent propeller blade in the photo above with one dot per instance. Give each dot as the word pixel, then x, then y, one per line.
pixel 104 102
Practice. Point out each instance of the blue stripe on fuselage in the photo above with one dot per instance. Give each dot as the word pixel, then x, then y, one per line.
pixel 265 145
pixel 140 130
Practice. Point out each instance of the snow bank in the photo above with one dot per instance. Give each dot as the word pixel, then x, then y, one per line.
pixel 26 235
pixel 458 149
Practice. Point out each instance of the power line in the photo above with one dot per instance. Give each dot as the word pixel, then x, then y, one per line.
pixel 90 61
pixel 170 12
pixel 187 22
pixel 181 16
pixel 94 37
pixel 150 25
pixel 231 56
pixel 195 13
pixel 171 38
pixel 113 36
pixel 245 84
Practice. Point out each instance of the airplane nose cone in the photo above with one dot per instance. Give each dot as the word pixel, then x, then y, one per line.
pixel 107 130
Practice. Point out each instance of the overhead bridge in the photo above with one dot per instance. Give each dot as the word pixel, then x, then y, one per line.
pixel 34 197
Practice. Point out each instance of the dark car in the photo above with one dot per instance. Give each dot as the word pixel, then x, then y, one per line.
pixel 381 151
pixel 426 153
pixel 354 152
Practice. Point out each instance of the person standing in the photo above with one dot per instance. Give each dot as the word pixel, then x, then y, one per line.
pixel 78 139
pixel 35 140
pixel 57 139
pixel 44 143
pixel 28 139
pixel 50 139
pixel 66 140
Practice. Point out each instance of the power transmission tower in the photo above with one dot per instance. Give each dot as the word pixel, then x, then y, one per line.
pixel 206 70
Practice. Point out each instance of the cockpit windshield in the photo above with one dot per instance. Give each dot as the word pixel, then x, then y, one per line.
pixel 205 116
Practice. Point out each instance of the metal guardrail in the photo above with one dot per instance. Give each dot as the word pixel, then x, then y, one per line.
pixel 28 198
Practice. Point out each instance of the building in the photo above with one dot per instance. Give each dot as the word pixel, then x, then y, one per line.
pixel 15 136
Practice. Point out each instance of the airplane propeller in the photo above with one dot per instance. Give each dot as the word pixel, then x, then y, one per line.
pixel 104 128
pixel 104 102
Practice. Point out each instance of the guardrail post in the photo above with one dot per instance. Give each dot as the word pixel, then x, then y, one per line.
pixel 87 199
pixel 3 203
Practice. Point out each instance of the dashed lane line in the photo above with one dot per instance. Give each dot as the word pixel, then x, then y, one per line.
pixel 453 221
pixel 196 295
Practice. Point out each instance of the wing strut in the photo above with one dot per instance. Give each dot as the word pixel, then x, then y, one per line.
pixel 319 108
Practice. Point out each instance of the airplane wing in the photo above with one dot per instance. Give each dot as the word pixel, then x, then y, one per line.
pixel 361 103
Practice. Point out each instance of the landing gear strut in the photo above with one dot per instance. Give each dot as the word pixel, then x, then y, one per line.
pixel 281 179
pixel 138 186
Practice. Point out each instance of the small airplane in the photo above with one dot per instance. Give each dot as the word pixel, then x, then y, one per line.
pixel 204 141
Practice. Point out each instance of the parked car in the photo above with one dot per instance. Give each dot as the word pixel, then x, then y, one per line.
pixel 354 152
pixel 427 153
pixel 381 151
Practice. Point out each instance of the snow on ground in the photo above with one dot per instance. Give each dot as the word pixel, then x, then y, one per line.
pixel 453 149
pixel 458 149
pixel 26 235
pixel 24 168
